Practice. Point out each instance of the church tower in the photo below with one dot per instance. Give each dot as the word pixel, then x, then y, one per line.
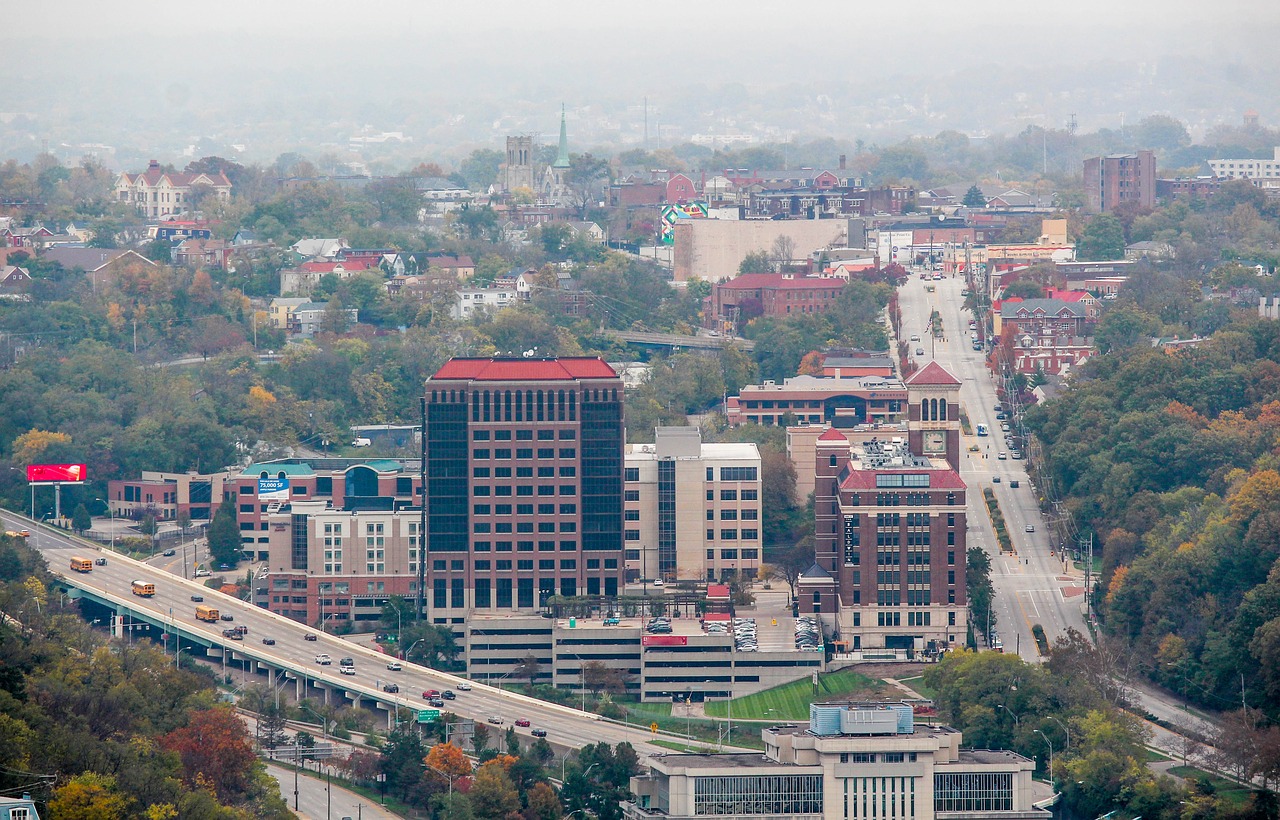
pixel 555 186
pixel 517 171
pixel 933 425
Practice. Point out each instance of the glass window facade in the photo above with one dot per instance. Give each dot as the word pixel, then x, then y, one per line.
pixel 973 792
pixel 758 794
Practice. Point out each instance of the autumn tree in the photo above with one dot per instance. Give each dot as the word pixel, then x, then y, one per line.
pixel 493 795
pixel 213 749
pixel 543 804
pixel 449 760
pixel 88 796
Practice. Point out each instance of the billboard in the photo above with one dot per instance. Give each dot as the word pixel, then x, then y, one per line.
pixel 664 640
pixel 56 473
pixel 273 489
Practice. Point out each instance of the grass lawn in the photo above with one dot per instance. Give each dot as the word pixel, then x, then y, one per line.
pixel 1230 791
pixel 917 683
pixel 1155 757
pixel 682 747
pixel 791 700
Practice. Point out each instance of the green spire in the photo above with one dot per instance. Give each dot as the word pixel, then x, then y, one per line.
pixel 562 158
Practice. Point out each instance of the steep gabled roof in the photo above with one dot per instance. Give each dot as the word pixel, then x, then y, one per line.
pixel 932 374
pixel 832 434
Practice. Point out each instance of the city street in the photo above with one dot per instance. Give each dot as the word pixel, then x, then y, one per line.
pixel 1031 586
pixel 316 802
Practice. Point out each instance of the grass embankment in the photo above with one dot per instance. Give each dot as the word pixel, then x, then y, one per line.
pixel 791 700
pixel 917 684
pixel 997 520
pixel 1228 790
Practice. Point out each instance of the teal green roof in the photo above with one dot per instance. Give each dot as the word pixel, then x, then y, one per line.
pixel 562 158
pixel 382 465
pixel 277 469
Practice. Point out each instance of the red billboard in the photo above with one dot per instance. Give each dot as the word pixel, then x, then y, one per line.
pixel 664 640
pixel 61 473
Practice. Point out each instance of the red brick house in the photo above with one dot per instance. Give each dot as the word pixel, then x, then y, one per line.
pixel 770 294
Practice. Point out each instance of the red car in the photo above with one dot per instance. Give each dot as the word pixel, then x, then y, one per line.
pixel 430 693
pixel 522 722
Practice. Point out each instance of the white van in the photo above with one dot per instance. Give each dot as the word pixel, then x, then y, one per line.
pixel 361 442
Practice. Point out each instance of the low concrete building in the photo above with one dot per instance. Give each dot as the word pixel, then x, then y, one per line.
pixel 852 761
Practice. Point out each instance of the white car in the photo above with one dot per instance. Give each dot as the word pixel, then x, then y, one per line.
pixel 464 687
pixel 915 337
pixel 394 666
pixel 347 670
pixel 324 659
pixel 1031 528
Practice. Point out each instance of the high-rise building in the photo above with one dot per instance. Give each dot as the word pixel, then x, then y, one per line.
pixel 890 523
pixel 524 481
pixel 1119 179
pixel 692 508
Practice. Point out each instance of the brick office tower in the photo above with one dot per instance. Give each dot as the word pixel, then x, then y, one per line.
pixel 524 482
pixel 889 537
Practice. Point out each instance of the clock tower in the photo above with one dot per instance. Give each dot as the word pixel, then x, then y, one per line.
pixel 933 424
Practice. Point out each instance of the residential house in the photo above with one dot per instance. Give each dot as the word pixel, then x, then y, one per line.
pixel 282 308
pixel 175 230
pixel 196 253
pixel 304 278
pixel 319 248
pixel 306 319
pixel 156 193
pixel 14 282
pixel 245 236
pixel 1155 251
pixel 18 808
pixel 460 267
pixel 13 236
pixel 587 230
pixel 470 301
pixel 680 189
pixel 97 263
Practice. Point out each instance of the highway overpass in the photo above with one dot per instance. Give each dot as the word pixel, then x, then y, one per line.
pixel 676 340
pixel 290 662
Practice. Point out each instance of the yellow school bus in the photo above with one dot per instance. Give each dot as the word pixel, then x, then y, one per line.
pixel 207 613
pixel 143 588
pixel 79 564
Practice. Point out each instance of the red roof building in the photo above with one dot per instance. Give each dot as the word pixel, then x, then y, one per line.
pixel 499 369
pixel 736 301
pixel 158 193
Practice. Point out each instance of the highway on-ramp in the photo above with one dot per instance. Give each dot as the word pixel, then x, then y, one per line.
pixel 292 657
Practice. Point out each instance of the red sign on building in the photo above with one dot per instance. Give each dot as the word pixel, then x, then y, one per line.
pixel 664 640
pixel 57 473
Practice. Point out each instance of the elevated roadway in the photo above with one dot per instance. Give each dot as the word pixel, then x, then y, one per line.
pixel 676 340
pixel 289 663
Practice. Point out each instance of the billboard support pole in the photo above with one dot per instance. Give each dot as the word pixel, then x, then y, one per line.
pixel 422 518
pixel 57 501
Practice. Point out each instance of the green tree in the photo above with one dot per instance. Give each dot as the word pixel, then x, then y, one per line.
pixel 81 522
pixel 88 796
pixel 1102 239
pixel 974 198
pixel 224 534
pixel 756 262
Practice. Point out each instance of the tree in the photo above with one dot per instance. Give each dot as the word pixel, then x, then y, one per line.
pixel 543 804
pixel 449 759
pixel 600 677
pixel 81 522
pixel 792 562
pixel 271 725
pixel 527 668
pixel 583 179
pixel 224 534
pixel 756 262
pixel 493 795
pixel 401 762
pixel 1102 239
pixel 88 796
pixel 214 750
pixel 974 198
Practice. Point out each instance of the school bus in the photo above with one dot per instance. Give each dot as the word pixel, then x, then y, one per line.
pixel 81 564
pixel 143 588
pixel 207 613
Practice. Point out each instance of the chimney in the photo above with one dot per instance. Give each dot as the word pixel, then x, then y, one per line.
pixel 842 162
pixel 154 165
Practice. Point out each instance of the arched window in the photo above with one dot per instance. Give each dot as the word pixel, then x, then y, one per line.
pixel 924 409
pixel 942 409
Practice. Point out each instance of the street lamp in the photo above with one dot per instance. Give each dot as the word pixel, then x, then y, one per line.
pixel 404 654
pixel 1010 711
pixel 1065 731
pixel 1050 742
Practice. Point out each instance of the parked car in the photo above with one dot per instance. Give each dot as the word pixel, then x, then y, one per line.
pixel 269 641
pixel 612 621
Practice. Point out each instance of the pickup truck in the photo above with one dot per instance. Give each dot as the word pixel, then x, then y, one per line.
pixel 612 621
pixel 323 659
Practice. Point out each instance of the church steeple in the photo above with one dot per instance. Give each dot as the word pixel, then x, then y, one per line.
pixel 562 158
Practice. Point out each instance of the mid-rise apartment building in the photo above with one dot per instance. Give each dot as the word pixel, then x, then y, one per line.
pixel 840 402
pixel 1247 168
pixel 890 528
pixel 1120 179
pixel 691 508
pixel 851 762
